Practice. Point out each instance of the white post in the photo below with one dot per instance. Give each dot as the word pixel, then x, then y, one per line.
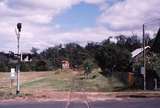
pixel 18 65
pixel 19 26
pixel 156 84
pixel 12 78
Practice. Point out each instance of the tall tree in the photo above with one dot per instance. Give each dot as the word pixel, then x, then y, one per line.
pixel 156 44
pixel 133 43
pixel 111 56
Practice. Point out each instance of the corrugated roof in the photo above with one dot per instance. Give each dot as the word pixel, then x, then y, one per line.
pixel 138 51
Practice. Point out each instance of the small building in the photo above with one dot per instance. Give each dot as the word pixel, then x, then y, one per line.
pixel 65 64
pixel 151 74
pixel 137 54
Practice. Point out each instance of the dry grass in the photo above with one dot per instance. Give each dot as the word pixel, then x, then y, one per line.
pixel 35 83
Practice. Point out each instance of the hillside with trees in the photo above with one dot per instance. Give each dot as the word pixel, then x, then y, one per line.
pixel 106 55
pixel 114 58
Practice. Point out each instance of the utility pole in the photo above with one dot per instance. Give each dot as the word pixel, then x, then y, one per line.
pixel 18 30
pixel 144 57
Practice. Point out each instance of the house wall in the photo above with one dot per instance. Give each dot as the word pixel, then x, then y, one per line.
pixel 65 65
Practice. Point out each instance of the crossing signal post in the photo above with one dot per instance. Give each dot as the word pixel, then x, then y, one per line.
pixel 18 30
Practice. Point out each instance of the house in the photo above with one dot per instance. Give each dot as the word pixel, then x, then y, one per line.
pixel 137 54
pixel 151 74
pixel 65 64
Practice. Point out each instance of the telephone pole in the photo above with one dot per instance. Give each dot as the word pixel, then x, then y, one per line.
pixel 151 23
pixel 144 57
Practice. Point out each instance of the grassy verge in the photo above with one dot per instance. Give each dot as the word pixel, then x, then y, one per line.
pixel 63 81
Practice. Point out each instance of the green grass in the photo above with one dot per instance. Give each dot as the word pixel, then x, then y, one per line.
pixel 59 81
pixel 63 81
pixel 98 82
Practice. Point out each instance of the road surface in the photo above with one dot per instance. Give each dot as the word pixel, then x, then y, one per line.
pixel 126 103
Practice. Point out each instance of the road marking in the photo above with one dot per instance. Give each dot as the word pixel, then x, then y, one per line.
pixel 82 91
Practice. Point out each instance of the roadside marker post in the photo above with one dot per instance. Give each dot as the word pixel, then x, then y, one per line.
pixel 156 84
pixel 12 78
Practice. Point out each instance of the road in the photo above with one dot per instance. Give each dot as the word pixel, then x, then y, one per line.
pixel 126 103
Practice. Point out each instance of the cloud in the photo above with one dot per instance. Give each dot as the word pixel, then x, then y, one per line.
pixel 81 36
pixel 94 1
pixel 39 30
pixel 130 14
pixel 37 17
pixel 42 11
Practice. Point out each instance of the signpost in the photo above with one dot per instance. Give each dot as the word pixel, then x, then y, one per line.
pixel 12 78
pixel 13 74
pixel 142 70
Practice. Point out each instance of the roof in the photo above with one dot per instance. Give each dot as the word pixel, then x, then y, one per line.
pixel 138 51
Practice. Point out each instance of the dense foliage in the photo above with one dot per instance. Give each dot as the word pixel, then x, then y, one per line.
pixel 111 56
pixel 107 55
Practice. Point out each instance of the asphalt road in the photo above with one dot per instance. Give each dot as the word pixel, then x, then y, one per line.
pixel 126 103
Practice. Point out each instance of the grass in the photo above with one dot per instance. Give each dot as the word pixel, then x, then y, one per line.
pixel 63 81
pixel 57 80
pixel 98 82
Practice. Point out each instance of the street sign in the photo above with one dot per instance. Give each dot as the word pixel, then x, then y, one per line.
pixel 13 73
pixel 142 70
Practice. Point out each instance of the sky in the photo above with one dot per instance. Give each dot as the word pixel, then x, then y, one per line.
pixel 46 23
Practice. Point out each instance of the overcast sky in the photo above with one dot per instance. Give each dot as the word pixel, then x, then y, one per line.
pixel 50 22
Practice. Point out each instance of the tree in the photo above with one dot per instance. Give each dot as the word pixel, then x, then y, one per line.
pixel 156 44
pixel 3 62
pixel 133 43
pixel 111 56
pixel 52 56
pixel 91 49
pixel 71 51
pixel 34 50
pixel 121 40
pixel 76 54
pixel 88 65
